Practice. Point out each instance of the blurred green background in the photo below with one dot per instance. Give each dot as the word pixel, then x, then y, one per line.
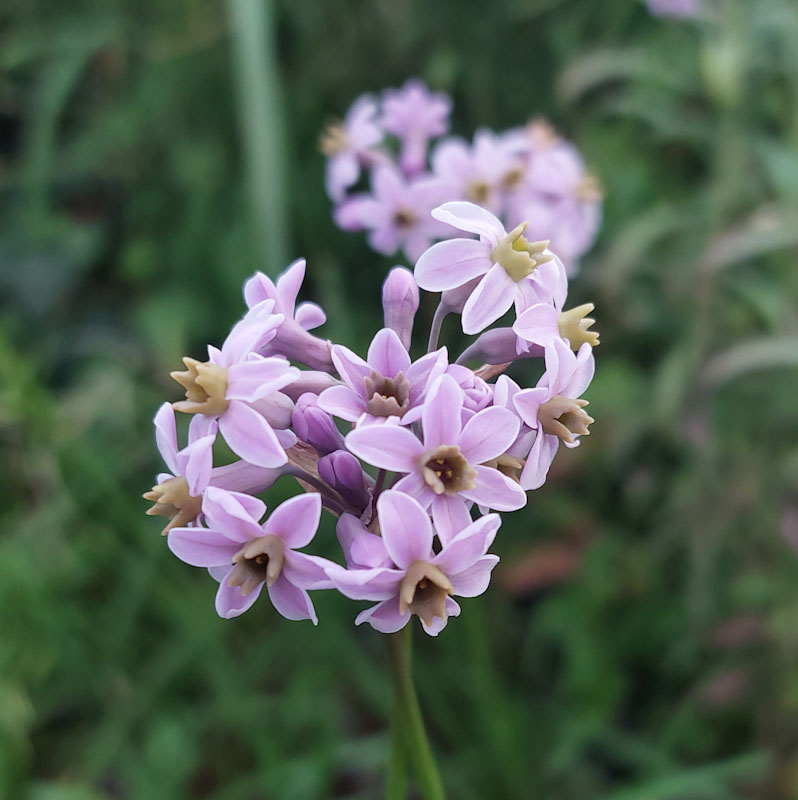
pixel 639 641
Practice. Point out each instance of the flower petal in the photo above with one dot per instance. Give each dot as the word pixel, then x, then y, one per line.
pixel 438 624
pixel 473 581
pixel 197 461
pixel 384 617
pixel 414 485
pixel 250 436
pixel 229 600
pixel 366 584
pixel 233 513
pixel 288 285
pixel 442 410
pixel 309 316
pixel 361 548
pixel 468 546
pixel 258 376
pixel 291 601
pixel 539 460
pixel 583 369
pixel 166 436
pixel 469 217
pixel 450 515
pixel 385 446
pixel 527 403
pixel 296 520
pixel 538 324
pixel 406 528
pixel 387 354
pixel 493 489
pixel 451 263
pixel 343 402
pixel 488 434
pixel 492 297
pixel 201 547
pixel 352 369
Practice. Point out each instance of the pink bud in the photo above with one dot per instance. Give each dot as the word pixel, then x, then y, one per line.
pixel 400 302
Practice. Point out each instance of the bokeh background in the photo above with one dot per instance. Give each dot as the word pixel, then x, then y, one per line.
pixel 640 639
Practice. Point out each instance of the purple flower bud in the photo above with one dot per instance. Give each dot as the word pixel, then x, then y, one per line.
pixel 316 427
pixel 400 303
pixel 497 346
pixel 296 344
pixel 343 472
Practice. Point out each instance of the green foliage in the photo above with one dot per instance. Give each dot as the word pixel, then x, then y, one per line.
pixel 639 641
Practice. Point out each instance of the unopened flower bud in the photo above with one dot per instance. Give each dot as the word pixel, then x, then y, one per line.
pixel 342 471
pixel 316 427
pixel 574 326
pixel 309 380
pixel 400 302
pixel 498 346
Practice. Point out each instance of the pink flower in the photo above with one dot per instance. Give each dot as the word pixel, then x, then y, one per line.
pixel 445 471
pixel 419 582
pixel 348 145
pixel 682 9
pixel 415 115
pixel 243 555
pixel 240 389
pixel 178 494
pixel 479 172
pixel 509 264
pixel 554 407
pixel 386 385
pixel 396 214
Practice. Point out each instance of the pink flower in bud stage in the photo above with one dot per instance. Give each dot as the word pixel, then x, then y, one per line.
pixel 396 214
pixel 418 581
pixel 415 115
pixel 400 302
pixel 508 263
pixel 350 144
pixel 241 389
pixel 362 549
pixel 386 385
pixel 445 472
pixel 554 407
pixel 244 555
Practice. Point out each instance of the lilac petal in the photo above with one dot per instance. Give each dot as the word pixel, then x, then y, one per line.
pixel 488 434
pixel 527 402
pixel 538 324
pixel 256 328
pixel 384 239
pixel 288 285
pixel 449 264
pixel 414 485
pixel 166 436
pixel 296 520
pixel 201 426
pixel 415 244
pixel 388 185
pixel 201 547
pixel 423 372
pixel 469 217
pixel 361 548
pixel 229 600
pixel 386 446
pixel 234 513
pixel 442 409
pixel 473 581
pixel 384 617
pixel 256 377
pixel 450 515
pixel 259 288
pixel 387 354
pixel 220 573
pixel 539 460
pixel 492 297
pixel 352 368
pixel 307 571
pixel 493 489
pixel 470 544
pixel 559 365
pixel 438 624
pixel 359 212
pixel 379 583
pixel 584 367
pixel 291 601
pixel 343 402
pixel 197 461
pixel 309 316
pixel 250 436
pixel 342 171
pixel 553 280
pixel 286 438
pixel 405 528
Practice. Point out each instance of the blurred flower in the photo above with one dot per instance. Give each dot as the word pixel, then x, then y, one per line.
pixel 674 8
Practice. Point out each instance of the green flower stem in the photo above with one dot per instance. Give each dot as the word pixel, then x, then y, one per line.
pixel 396 784
pixel 407 708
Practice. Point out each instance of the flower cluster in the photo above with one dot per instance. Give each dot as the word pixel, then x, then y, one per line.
pixel 414 457
pixel 521 174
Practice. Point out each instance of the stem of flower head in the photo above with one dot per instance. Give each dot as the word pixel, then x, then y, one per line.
pixel 407 706
pixel 435 329
pixel 331 500
pixel 396 780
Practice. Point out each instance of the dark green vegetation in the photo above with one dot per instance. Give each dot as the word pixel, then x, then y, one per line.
pixel 640 641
